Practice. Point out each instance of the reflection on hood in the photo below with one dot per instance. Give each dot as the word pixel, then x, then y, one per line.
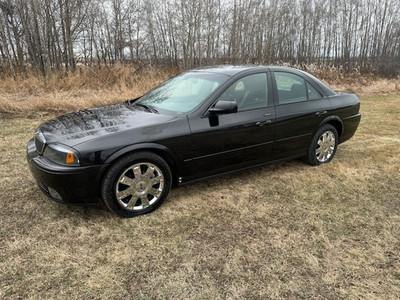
pixel 90 123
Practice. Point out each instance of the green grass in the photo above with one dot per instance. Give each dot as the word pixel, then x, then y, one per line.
pixel 286 231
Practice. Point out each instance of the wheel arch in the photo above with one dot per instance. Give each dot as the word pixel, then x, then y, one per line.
pixel 336 122
pixel 160 150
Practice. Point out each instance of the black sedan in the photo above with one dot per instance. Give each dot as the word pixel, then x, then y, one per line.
pixel 201 123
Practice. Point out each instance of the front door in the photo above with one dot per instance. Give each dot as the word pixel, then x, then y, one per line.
pixel 229 141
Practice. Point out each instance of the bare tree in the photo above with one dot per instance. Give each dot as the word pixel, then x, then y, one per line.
pixel 53 35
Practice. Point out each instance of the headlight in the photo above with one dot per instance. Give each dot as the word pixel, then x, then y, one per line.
pixel 61 154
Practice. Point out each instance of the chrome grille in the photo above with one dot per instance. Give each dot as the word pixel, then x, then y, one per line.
pixel 40 142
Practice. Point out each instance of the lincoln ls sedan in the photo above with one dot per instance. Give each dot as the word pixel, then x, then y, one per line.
pixel 202 123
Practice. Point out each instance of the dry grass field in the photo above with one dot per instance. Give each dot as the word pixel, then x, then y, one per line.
pixel 90 87
pixel 285 231
pixel 86 88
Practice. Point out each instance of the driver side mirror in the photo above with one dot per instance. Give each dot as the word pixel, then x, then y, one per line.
pixel 224 107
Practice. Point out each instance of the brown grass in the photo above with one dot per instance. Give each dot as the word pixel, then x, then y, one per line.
pixel 90 87
pixel 286 231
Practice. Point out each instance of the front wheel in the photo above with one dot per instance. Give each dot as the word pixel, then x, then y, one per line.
pixel 323 146
pixel 136 184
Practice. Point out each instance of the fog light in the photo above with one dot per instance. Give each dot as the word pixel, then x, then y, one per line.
pixel 54 194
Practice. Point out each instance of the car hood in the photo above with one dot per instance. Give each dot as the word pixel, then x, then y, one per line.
pixel 80 126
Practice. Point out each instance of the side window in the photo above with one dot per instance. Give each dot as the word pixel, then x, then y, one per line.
pixel 249 92
pixel 291 87
pixel 313 93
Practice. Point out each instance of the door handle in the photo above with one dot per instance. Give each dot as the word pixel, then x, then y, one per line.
pixel 262 123
pixel 320 113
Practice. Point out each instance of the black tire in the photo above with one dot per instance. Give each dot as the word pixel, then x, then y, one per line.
pixel 136 184
pixel 323 146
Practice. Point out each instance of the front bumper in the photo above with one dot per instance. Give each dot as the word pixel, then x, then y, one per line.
pixel 75 185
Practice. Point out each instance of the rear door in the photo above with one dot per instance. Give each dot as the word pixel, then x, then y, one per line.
pixel 300 107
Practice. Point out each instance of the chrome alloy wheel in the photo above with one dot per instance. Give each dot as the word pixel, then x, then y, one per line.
pixel 139 186
pixel 325 146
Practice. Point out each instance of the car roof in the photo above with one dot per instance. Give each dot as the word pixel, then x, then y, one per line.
pixel 229 70
pixel 232 70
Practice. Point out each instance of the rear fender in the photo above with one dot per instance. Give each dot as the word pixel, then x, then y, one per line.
pixel 334 121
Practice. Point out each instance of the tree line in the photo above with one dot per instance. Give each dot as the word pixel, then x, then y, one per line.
pixel 56 35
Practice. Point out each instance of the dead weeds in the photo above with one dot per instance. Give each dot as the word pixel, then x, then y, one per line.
pixel 93 87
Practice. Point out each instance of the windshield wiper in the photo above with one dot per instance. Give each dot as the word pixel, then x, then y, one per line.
pixel 148 107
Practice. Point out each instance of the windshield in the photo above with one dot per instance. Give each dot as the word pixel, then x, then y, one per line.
pixel 184 92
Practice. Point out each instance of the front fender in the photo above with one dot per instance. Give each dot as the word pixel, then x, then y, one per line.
pixel 166 153
pixel 141 146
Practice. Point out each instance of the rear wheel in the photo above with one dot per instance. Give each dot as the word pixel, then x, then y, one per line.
pixel 323 146
pixel 136 184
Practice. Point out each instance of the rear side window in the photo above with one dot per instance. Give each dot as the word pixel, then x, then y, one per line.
pixel 293 88
pixel 312 92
